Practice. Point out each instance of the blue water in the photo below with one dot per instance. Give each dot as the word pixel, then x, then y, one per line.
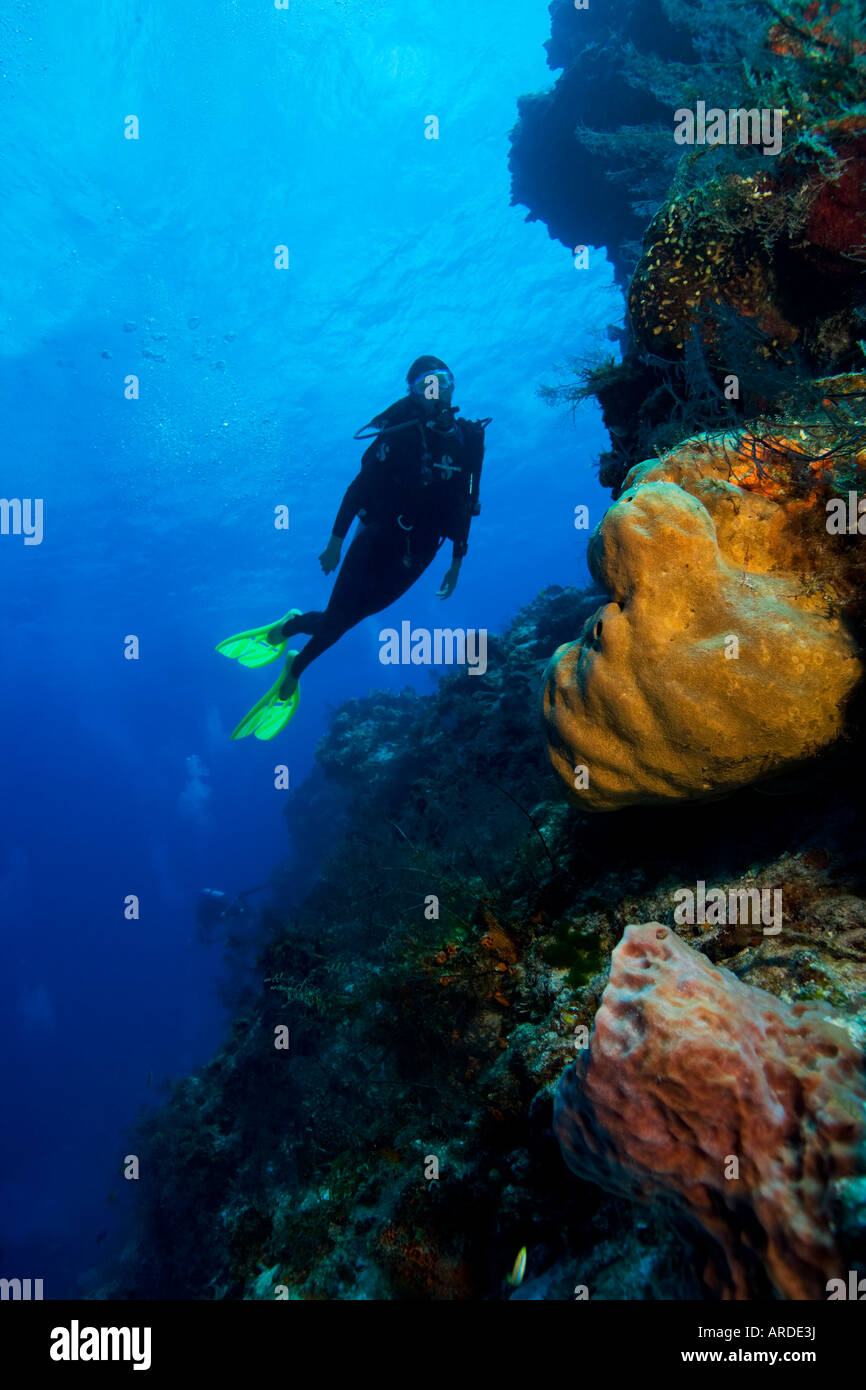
pixel 258 127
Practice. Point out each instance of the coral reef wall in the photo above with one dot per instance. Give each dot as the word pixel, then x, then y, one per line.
pixel 437 982
pixel 730 647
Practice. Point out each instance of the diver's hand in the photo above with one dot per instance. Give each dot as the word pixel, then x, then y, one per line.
pixel 330 556
pixel 449 583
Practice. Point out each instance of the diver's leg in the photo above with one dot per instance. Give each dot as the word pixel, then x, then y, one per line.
pixel 304 623
pixel 323 639
pixel 346 605
pixel 372 576
pixel 301 623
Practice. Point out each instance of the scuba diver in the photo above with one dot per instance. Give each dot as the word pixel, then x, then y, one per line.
pixel 418 486
pixel 219 916
pixel 216 911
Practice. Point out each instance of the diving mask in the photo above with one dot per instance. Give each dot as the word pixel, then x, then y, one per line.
pixel 423 384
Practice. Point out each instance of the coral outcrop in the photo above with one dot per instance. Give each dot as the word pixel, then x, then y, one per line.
pixel 566 162
pixel 751 267
pixel 752 242
pixel 724 655
pixel 731 1109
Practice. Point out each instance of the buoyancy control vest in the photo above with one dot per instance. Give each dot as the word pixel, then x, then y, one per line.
pixel 429 467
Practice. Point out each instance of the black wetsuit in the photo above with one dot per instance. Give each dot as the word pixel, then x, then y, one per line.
pixel 417 487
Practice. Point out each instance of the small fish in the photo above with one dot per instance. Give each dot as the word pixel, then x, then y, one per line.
pixel 515 1278
pixel 101 1237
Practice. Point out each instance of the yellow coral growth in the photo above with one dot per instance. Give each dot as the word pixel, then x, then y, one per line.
pixel 723 656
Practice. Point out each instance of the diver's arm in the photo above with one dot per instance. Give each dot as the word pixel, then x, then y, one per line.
pixel 353 502
pixel 470 507
pixel 358 497
pixel 460 538
pixel 449 583
pixel 330 556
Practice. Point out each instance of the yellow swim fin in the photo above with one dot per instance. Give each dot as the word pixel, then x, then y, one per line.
pixel 273 711
pixel 252 648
